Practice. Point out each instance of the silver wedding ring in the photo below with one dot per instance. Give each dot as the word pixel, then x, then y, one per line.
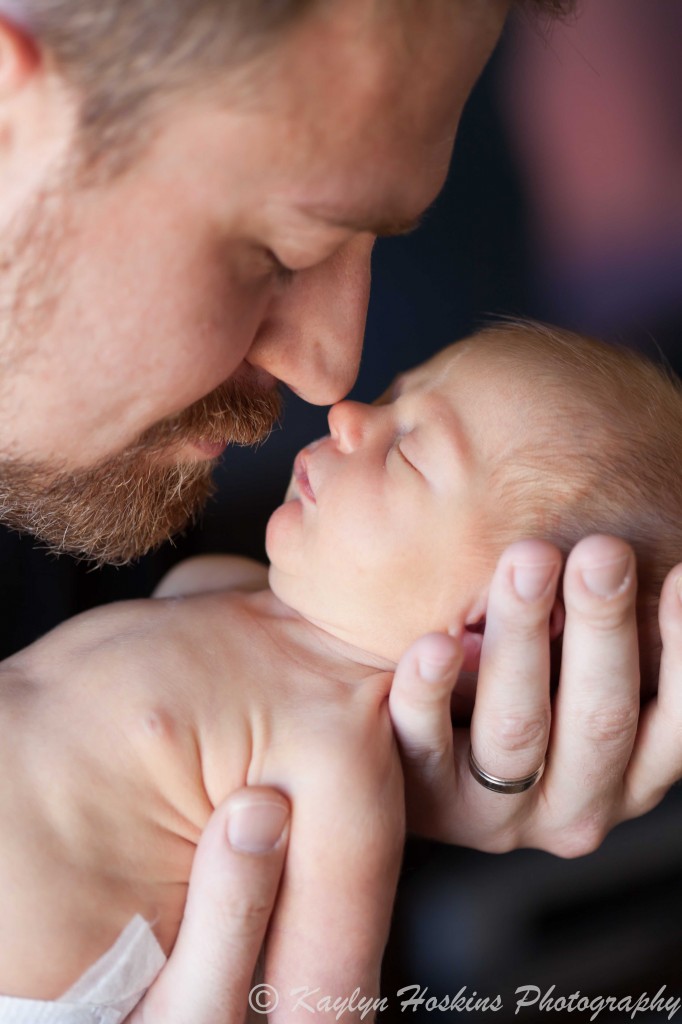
pixel 497 785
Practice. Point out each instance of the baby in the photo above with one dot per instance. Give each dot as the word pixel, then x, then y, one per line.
pixel 123 728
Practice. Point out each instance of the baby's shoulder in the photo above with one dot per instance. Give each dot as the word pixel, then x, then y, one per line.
pixel 114 635
pixel 210 573
pixel 127 690
pixel 132 661
pixel 145 641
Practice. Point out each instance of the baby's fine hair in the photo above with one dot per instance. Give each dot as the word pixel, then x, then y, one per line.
pixel 608 457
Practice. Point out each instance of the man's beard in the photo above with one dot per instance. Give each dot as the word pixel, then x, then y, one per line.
pixel 119 509
pixel 131 502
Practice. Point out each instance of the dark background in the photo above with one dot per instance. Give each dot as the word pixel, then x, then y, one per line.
pixel 608 923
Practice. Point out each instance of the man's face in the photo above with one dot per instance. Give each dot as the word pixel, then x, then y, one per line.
pixel 394 523
pixel 133 299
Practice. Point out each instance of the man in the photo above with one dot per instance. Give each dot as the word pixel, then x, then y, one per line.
pixel 190 193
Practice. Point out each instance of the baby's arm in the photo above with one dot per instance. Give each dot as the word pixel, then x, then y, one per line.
pixel 207 573
pixel 331 921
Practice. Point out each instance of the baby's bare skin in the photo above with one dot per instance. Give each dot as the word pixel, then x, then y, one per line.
pixel 123 728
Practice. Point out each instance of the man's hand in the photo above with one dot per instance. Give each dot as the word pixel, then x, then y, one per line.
pixel 327 933
pixel 606 760
pixel 233 887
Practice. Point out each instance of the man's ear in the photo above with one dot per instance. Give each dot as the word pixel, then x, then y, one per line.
pixel 19 57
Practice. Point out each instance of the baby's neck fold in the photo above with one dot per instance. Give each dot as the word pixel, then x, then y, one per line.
pixel 330 641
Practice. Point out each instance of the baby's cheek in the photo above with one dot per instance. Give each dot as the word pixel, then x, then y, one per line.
pixel 283 536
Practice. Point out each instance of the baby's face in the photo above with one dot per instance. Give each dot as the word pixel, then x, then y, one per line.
pixel 393 523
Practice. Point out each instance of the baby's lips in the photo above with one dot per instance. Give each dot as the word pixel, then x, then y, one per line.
pixel 300 471
pixel 301 476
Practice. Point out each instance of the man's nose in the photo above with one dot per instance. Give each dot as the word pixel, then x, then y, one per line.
pixel 311 338
pixel 348 422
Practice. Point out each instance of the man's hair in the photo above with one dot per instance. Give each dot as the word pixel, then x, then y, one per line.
pixel 607 456
pixel 118 55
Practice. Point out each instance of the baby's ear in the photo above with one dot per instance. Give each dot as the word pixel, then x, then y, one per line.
pixel 557 619
pixel 472 640
pixel 471 647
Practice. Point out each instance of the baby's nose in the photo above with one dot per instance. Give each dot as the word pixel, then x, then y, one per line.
pixel 347 424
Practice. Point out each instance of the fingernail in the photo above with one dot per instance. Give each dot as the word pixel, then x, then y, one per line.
pixel 609 578
pixel 531 581
pixel 433 671
pixel 256 827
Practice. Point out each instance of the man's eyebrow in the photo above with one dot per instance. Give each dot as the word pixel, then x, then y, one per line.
pixel 387 227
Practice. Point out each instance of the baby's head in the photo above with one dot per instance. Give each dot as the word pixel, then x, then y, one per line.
pixel 396 520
